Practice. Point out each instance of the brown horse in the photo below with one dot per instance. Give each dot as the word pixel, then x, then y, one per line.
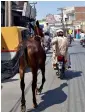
pixel 35 57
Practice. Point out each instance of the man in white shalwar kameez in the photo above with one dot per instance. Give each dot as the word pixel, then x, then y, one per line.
pixel 60 48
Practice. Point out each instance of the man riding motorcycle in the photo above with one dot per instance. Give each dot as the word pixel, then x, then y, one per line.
pixel 82 38
pixel 47 40
pixel 60 48
pixel 47 29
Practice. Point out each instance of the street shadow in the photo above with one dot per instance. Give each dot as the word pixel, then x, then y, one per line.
pixel 70 46
pixel 1 87
pixel 50 98
pixel 9 80
pixel 71 74
pixel 27 70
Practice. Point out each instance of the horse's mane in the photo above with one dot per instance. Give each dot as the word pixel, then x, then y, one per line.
pixel 23 44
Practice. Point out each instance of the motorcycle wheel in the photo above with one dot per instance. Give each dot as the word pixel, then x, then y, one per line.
pixel 83 44
pixel 61 73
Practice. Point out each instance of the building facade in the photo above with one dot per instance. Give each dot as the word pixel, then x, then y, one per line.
pixel 21 11
pixel 75 16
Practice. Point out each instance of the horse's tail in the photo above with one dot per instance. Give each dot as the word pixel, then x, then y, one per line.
pixel 21 49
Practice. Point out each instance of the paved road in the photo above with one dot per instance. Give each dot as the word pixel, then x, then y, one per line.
pixel 66 95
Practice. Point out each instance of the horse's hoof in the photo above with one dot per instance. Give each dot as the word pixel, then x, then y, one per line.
pixel 35 105
pixel 23 108
pixel 39 90
pixel 61 77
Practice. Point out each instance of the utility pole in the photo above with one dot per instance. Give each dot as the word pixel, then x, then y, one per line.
pixel 62 20
pixel 9 13
pixel 6 13
pixel 34 3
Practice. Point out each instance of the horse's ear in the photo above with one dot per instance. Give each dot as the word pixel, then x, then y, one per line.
pixel 37 23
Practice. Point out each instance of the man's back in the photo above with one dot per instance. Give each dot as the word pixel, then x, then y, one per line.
pixel 82 35
pixel 61 45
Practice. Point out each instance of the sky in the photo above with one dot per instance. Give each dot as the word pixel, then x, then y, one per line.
pixel 50 7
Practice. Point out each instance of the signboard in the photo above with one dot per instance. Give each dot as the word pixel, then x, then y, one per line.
pixel 77 26
pixel 58 24
pixel 77 22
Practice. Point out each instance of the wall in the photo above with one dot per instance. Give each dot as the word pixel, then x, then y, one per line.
pixel 10 38
pixel 80 13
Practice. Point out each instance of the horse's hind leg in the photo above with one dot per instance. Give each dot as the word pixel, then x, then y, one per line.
pixel 43 78
pixel 34 85
pixel 22 84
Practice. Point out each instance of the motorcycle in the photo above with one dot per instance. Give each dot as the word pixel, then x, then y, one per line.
pixel 83 43
pixel 61 66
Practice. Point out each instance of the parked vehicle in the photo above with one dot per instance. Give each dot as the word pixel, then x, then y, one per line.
pixel 83 43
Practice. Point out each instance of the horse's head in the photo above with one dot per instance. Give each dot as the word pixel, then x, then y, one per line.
pixel 38 31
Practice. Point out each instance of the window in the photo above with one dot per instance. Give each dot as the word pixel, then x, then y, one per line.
pixel 72 16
